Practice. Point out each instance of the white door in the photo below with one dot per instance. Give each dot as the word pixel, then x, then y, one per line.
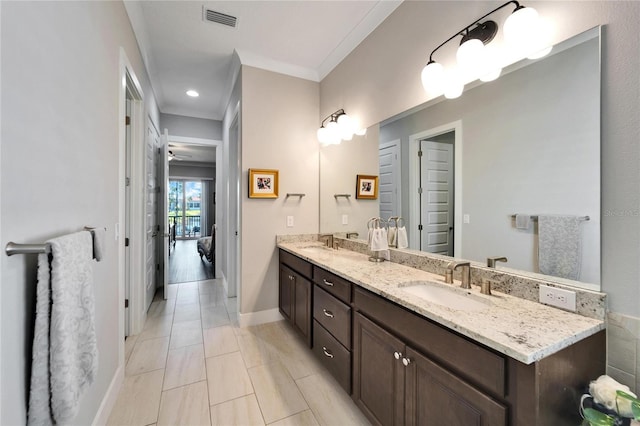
pixel 151 212
pixel 127 221
pixel 389 179
pixel 163 211
pixel 436 199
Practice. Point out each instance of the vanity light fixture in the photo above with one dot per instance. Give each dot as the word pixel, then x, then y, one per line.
pixel 192 93
pixel 523 30
pixel 340 127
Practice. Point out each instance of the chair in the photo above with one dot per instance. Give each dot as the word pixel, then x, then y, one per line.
pixel 206 246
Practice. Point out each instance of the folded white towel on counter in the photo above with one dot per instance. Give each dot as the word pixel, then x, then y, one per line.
pixel 65 351
pixel 403 239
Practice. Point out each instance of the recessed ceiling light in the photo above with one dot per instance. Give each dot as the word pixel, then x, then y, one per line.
pixel 193 93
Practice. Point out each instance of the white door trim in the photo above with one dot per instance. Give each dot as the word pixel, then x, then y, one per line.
pixel 129 80
pixel 414 205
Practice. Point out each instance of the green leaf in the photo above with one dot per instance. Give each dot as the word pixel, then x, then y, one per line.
pixel 596 418
pixel 635 403
pixel 635 409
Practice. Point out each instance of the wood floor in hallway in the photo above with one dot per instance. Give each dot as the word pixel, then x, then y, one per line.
pixel 185 264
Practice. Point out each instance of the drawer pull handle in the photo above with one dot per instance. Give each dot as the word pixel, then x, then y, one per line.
pixel 291 277
pixel 328 313
pixel 326 352
pixel 406 361
pixel 397 355
pixel 329 283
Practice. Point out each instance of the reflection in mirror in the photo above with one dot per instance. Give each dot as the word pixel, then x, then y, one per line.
pixel 527 143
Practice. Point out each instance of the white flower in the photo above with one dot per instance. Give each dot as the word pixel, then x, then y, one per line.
pixel 604 390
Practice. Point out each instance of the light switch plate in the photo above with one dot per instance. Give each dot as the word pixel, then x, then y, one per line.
pixel 289 221
pixel 345 219
pixel 466 218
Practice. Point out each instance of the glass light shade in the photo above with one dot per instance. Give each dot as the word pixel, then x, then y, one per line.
pixel 345 127
pixel 433 77
pixel 470 53
pixel 520 27
pixel 323 135
pixel 333 132
pixel 453 87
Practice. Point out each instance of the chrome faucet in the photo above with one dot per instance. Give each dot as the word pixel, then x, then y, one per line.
pixel 466 272
pixel 327 238
pixel 352 235
pixel 491 261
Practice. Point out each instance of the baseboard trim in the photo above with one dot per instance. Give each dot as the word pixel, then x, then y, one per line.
pixel 260 317
pixel 110 398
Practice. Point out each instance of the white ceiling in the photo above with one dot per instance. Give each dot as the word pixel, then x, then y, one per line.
pixel 301 38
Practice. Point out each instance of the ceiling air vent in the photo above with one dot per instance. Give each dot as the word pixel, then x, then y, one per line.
pixel 220 18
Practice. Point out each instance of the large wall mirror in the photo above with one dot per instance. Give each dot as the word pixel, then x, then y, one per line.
pixel 527 143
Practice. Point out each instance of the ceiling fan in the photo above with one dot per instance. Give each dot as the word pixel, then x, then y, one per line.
pixel 178 157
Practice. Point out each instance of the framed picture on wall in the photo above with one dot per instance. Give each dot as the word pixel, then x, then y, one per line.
pixel 367 187
pixel 263 183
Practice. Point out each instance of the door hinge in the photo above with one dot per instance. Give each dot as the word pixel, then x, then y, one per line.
pixel 157 266
pixel 126 242
pixel 420 153
pixel 420 190
pixel 127 120
pixel 127 181
pixel 158 228
pixel 126 303
pixel 419 227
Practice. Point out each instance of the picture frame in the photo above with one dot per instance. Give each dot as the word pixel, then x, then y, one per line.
pixel 367 187
pixel 263 183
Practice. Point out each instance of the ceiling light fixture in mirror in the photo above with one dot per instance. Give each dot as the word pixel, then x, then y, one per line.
pixel 340 127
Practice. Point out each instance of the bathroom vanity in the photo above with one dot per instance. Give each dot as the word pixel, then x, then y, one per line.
pixel 407 360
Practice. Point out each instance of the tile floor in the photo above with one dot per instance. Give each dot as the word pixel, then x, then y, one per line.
pixel 193 365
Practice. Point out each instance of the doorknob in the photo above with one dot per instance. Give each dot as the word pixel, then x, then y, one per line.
pixel 154 234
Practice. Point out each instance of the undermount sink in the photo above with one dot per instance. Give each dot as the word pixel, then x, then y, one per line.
pixel 450 297
pixel 317 249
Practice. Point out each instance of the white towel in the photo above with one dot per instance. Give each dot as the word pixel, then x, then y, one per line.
pixel 403 240
pixel 379 240
pixel 65 352
pixel 560 246
pixel 392 234
pixel 523 221
pixel 99 236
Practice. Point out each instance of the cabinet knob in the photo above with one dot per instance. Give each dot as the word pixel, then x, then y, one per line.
pixel 329 283
pixel 291 277
pixel 397 355
pixel 326 352
pixel 327 313
pixel 406 361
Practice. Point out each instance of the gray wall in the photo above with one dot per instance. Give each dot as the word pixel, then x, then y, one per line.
pixel 531 144
pixel 59 170
pixel 192 127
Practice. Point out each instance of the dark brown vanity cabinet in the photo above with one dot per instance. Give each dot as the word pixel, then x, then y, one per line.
pixel 332 324
pixel 295 293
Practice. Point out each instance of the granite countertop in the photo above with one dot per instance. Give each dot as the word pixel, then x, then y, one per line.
pixel 521 329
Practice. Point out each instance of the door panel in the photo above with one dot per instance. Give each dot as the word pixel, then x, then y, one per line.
pixel 434 396
pixel 437 207
pixel 378 386
pixel 389 178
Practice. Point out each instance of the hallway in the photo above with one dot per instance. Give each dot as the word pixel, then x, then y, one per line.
pixel 185 264
pixel 193 365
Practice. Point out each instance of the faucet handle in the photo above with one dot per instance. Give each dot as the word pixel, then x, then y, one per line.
pixel 491 261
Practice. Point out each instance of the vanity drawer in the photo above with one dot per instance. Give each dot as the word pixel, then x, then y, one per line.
pixel 332 283
pixel 295 263
pixel 481 366
pixel 334 315
pixel 332 355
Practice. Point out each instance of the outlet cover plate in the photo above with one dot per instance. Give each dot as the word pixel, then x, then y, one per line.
pixel 289 221
pixel 558 297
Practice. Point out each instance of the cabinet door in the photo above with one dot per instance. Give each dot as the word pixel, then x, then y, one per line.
pixel 285 296
pixel 378 376
pixel 302 307
pixel 434 396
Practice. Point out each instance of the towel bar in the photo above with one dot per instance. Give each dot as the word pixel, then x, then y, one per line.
pixel 535 217
pixel 295 195
pixel 342 195
pixel 14 248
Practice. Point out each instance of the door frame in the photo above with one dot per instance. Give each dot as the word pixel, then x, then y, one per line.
pixel 414 182
pixel 220 204
pixel 129 81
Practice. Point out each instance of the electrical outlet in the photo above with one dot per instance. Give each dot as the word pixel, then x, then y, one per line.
pixel 558 297
pixel 466 218
pixel 345 219
pixel 289 221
